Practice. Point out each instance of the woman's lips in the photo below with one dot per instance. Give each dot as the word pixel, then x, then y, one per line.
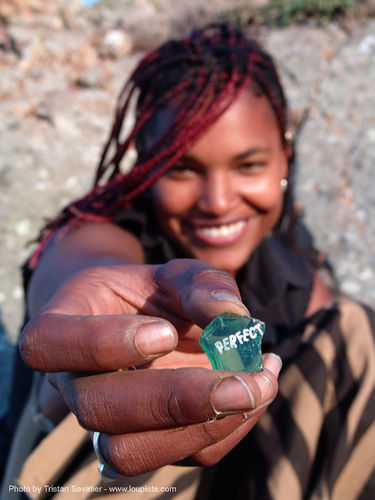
pixel 218 234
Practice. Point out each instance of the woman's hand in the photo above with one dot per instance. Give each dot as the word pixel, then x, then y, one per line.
pixel 105 319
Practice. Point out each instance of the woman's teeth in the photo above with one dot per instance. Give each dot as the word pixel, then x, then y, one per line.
pixel 223 230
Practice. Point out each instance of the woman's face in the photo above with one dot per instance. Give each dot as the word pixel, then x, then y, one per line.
pixel 223 196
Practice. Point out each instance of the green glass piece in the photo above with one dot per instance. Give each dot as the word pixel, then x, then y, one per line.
pixel 233 342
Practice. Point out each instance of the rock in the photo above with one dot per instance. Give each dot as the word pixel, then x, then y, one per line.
pixel 115 44
pixel 89 78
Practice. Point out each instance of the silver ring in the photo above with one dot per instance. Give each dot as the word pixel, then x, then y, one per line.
pixel 105 470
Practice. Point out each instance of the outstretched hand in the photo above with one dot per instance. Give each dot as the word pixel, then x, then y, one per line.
pixel 103 320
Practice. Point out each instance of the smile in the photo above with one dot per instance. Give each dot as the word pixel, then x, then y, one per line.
pixel 221 234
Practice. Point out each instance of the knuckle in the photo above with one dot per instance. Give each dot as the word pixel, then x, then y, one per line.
pixel 184 398
pixel 212 275
pixel 179 270
pixel 189 396
pixel 166 408
pixel 175 411
pixel 94 348
pixel 210 432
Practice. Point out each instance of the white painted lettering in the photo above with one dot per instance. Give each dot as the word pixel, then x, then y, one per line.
pixel 233 341
pixel 219 346
pixel 226 344
pixel 240 337
pixel 245 332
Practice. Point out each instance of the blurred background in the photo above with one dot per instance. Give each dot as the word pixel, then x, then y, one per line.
pixel 63 62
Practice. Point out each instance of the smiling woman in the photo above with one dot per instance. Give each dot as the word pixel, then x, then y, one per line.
pixel 222 198
pixel 126 278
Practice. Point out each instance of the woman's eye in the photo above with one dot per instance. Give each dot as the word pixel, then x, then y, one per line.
pixel 251 166
pixel 180 172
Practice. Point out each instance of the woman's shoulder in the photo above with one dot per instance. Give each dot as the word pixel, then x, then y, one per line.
pixel 356 317
pixel 347 322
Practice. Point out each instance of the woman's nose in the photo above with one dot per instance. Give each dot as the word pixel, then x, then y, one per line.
pixel 218 194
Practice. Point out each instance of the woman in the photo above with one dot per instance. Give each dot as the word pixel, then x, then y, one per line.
pixel 203 223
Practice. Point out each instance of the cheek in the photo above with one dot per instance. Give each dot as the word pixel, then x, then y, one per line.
pixel 264 194
pixel 265 191
pixel 170 200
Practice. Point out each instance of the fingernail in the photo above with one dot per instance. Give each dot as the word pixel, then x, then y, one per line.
pixel 273 363
pixel 267 391
pixel 230 297
pixel 231 395
pixel 266 388
pixel 154 338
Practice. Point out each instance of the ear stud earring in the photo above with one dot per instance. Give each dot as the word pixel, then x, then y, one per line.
pixel 284 185
pixel 288 135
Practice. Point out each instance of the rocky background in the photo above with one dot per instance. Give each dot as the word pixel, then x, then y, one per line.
pixel 62 66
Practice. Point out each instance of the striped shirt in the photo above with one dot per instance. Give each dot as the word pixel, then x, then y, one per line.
pixel 317 439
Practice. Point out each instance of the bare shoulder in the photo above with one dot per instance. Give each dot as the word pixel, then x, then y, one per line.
pixel 102 239
pixel 320 296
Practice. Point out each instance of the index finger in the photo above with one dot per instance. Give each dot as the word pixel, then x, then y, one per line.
pixel 197 291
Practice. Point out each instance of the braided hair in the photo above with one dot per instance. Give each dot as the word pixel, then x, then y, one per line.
pixel 205 72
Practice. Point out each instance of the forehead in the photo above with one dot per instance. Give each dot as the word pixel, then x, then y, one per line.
pixel 249 121
pixel 250 113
